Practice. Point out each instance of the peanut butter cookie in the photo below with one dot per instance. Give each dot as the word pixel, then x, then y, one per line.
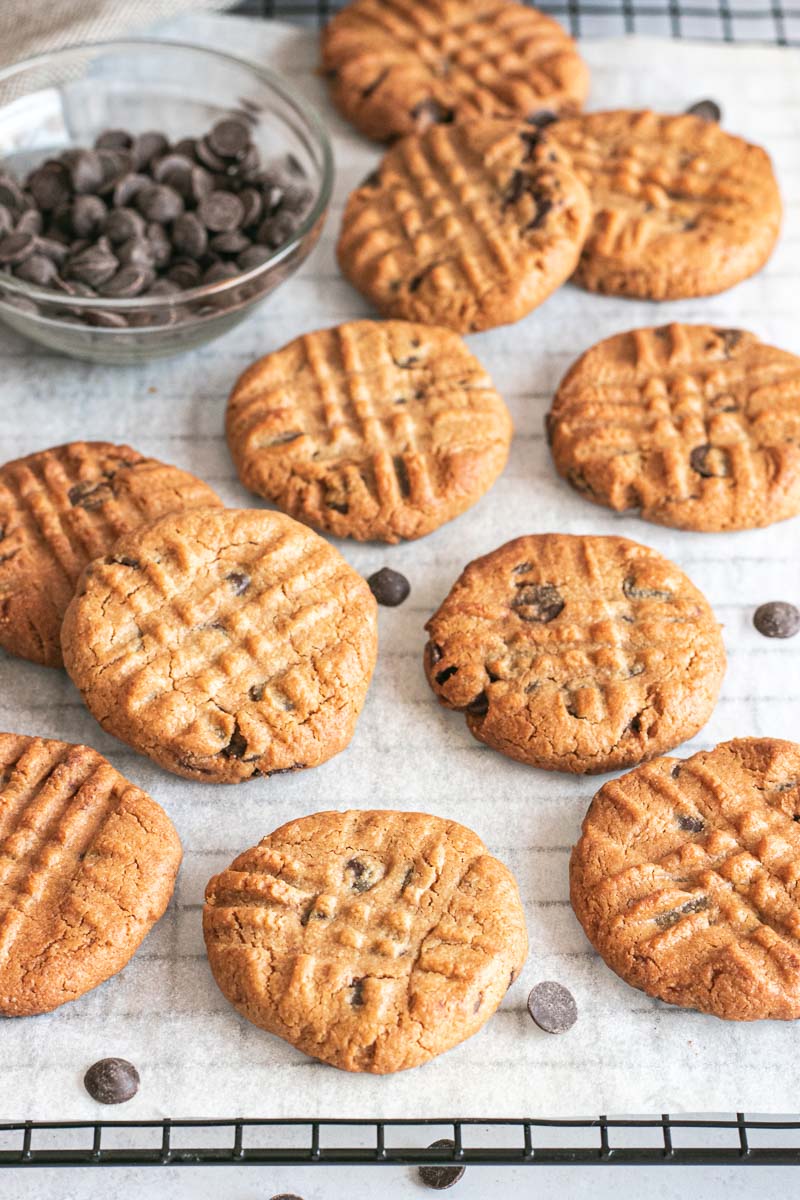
pixel 460 226
pixel 680 207
pixel 87 866
pixel 580 654
pixel 685 879
pixel 370 430
pixel 399 66
pixel 371 940
pixel 694 426
pixel 59 509
pixel 224 644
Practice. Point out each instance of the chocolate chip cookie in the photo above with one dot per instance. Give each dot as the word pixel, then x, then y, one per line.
pixel 87 866
pixel 224 644
pixel 371 940
pixel 59 509
pixel 580 654
pixel 461 226
pixel 397 67
pixel 680 207
pixel 685 879
pixel 694 426
pixel 372 430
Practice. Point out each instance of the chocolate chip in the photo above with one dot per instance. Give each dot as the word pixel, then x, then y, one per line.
pixel 666 920
pixel 221 211
pixel 541 118
pixel 707 110
pixel 443 676
pixel 147 146
pixel 389 587
pixel 430 112
pixel 274 231
pixel 90 494
pixel 538 602
pixel 634 592
pixel 189 235
pixel 116 165
pixel 122 224
pixel 176 171
pixel 124 560
pixel 239 581
pixel 441 1178
pixel 127 282
pixel 730 338
pixel 88 215
pixel 219 272
pixel 357 993
pixel 128 187
pixel 252 205
pixel 16 247
pixel 159 202
pixel 256 692
pixel 479 705
pixel 86 171
pixel 237 746
pixel 136 252
pixel 160 245
pixel 31 222
pixel 208 158
pixel 229 243
pixel 112 1081
pixel 229 138
pixel 113 139
pixel 6 220
pixel 53 249
pixel 365 875
pixel 11 194
pixel 186 274
pixel 777 619
pixel 709 461
pixel 552 1007
pixel 38 270
pixel 49 186
pixel 691 824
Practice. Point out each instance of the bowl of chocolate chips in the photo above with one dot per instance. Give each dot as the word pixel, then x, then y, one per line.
pixel 151 195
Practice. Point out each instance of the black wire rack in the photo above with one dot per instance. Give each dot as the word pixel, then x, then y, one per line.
pixel 665 1140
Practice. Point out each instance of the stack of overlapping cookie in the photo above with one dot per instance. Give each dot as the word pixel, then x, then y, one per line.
pixel 230 645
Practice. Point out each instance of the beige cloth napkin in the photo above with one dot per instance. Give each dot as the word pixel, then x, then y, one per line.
pixel 30 26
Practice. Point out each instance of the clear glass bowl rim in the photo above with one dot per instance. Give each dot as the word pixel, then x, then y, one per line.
pixel 307 114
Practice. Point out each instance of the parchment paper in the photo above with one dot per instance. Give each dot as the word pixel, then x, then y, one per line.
pixel 627 1053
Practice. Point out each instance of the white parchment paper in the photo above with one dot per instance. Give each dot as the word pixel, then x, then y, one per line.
pixel 627 1053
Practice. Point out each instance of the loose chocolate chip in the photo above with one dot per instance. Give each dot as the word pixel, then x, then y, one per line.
pixel 221 211
pixel 38 270
pixel 113 139
pixel 163 287
pixel 443 676
pixel 777 619
pixel 239 581
pixel 30 222
pixel 709 461
pixel 252 205
pixel 296 199
pixel 389 587
pixel 51 248
pixel 112 1081
pixel 122 224
pixel 127 282
pixel 691 824
pixel 159 202
pixel 441 1178
pixel 11 194
pixel 136 252
pixel 229 138
pixel 49 186
pixel 106 320
pixel 185 274
pixel 253 256
pixel 6 220
pixel 274 231
pixel 538 602
pixel 219 272
pixel 707 110
pixel 116 164
pixel 16 247
pixel 201 184
pixel 229 243
pixel 160 245
pixel 552 1007
pixel 128 187
pixel 86 171
pixel 666 920
pixel 205 155
pixel 146 147
pixel 633 592
pixel 88 215
pixel 176 171
pixel 189 235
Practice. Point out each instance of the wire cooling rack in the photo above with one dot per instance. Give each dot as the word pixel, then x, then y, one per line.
pixel 666 1140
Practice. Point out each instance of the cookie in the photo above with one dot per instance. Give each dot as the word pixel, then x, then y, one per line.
pixel 685 876
pixel 224 644
pixel 461 227
pixel 370 940
pixel 372 430
pixel 693 426
pixel 87 866
pixel 59 509
pixel 579 654
pixel 400 66
pixel 680 207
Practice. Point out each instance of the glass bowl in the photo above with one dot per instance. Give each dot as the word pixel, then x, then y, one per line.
pixel 65 99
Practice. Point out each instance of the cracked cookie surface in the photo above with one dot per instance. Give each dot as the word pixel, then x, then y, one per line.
pixel 372 430
pixel 399 66
pixel 460 226
pixel 581 654
pixel 681 208
pixel 224 644
pixel 697 427
pixel 685 879
pixel 372 940
pixel 59 509
pixel 87 866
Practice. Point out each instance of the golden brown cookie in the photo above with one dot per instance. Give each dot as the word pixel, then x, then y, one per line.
pixel 224 644
pixel 87 866
pixel 461 227
pixel 580 654
pixel 371 940
pixel 59 509
pixel 399 66
pixel 680 207
pixel 694 426
pixel 685 879
pixel 372 430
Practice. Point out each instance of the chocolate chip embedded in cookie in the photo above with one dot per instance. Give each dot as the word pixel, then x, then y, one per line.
pixel 224 644
pixel 60 508
pixel 396 67
pixel 371 940
pixel 87 866
pixel 374 429
pixel 694 426
pixel 680 207
pixel 580 654
pixel 684 879
pixel 462 227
